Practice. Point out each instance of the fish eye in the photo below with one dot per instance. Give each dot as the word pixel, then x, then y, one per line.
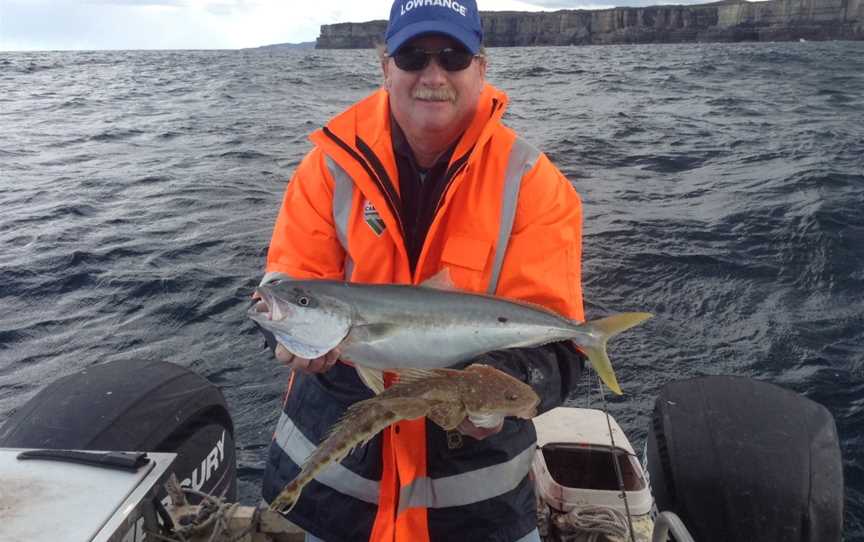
pixel 303 301
pixel 512 397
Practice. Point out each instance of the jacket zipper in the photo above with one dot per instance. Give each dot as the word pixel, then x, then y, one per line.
pixel 373 167
pixel 385 185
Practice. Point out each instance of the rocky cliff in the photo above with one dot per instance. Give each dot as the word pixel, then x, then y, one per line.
pixel 734 20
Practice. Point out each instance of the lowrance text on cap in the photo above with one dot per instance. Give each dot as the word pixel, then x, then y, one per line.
pixel 456 6
pixel 458 19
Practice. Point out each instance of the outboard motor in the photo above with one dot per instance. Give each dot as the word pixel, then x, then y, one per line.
pixel 739 459
pixel 135 406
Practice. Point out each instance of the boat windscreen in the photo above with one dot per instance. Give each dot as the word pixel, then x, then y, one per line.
pixel 591 467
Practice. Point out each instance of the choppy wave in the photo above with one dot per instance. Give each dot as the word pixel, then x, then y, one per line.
pixel 723 186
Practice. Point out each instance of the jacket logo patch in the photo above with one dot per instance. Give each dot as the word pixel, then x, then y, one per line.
pixel 373 219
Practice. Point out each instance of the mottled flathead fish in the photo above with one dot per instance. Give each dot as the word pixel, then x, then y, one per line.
pixel 445 396
pixel 392 327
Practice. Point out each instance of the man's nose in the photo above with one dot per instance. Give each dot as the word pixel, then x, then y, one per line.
pixel 433 72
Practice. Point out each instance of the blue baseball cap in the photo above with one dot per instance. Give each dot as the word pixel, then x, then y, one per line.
pixel 458 19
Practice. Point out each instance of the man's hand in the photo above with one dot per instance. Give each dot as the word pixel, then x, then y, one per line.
pixel 317 365
pixel 479 432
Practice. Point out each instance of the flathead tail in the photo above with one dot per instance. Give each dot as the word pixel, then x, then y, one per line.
pixel 284 502
pixel 604 329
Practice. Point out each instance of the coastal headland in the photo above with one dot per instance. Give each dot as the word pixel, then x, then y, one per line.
pixel 726 21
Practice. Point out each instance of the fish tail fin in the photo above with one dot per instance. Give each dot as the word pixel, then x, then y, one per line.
pixel 604 329
pixel 287 499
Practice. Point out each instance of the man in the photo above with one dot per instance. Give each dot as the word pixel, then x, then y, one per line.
pixel 419 177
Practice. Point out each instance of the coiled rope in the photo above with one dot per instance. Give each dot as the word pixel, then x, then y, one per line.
pixel 591 523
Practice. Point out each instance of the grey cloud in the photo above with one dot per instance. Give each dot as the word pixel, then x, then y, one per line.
pixel 27 25
pixel 140 3
pixel 216 7
pixel 223 8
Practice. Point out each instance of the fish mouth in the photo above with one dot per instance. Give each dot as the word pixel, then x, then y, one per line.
pixel 264 307
pixel 528 413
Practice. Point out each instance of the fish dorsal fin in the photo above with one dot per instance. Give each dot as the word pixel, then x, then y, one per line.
pixel 414 375
pixel 442 280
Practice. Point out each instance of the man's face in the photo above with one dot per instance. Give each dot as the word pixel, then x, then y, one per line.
pixel 433 102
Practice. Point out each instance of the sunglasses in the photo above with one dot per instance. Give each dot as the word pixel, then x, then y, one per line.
pixel 412 59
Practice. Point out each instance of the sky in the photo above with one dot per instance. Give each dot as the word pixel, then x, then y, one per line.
pixel 28 25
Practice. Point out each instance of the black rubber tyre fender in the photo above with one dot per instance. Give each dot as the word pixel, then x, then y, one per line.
pixel 740 459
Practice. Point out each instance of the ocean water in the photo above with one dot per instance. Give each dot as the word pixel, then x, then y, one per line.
pixel 723 187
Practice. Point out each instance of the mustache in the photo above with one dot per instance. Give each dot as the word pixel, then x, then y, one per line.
pixel 436 94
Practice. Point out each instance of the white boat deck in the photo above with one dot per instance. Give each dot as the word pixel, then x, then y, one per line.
pixel 40 499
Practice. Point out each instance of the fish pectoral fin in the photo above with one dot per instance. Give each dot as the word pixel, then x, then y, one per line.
pixel 373 378
pixel 447 416
pixel 370 333
pixel 406 408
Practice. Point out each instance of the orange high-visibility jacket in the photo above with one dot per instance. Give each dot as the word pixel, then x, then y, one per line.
pixel 508 224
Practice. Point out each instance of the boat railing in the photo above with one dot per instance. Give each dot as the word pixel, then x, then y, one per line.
pixel 668 523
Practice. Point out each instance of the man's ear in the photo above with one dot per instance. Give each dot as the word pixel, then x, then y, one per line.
pixel 385 71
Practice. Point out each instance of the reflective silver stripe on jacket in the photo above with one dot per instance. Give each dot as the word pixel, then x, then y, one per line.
pixel 467 487
pixel 294 443
pixel 533 536
pixel 522 158
pixel 343 194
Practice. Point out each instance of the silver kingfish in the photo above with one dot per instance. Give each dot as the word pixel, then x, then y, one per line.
pixel 393 327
